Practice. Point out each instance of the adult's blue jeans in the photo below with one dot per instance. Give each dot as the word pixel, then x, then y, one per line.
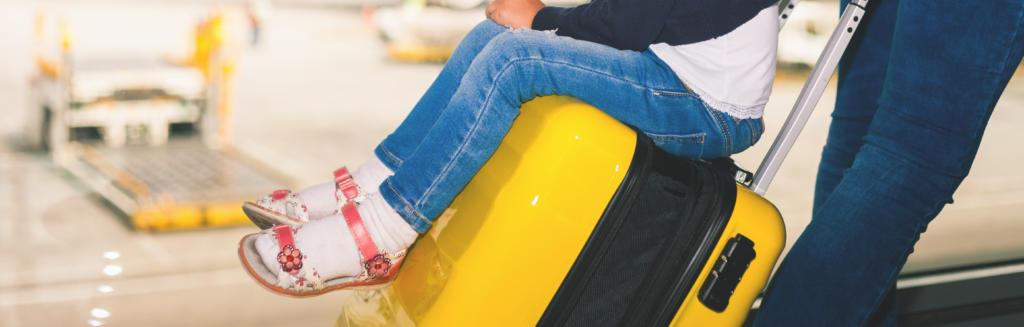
pixel 916 89
pixel 460 121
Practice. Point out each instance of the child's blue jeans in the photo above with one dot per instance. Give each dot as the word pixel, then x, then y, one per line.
pixel 916 89
pixel 460 121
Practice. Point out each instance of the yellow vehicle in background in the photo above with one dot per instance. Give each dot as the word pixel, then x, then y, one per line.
pixel 150 135
pixel 429 30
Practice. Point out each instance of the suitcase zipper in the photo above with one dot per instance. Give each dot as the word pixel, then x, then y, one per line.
pixel 570 291
pixel 660 308
pixel 662 291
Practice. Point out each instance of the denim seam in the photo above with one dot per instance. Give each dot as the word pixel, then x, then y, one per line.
pixel 752 136
pixel 576 66
pixel 1006 56
pixel 725 129
pixel 487 100
pixel 699 139
pixel 603 73
pixel 671 93
pixel 738 123
pixel 668 69
pixel 391 156
pixel 687 86
pixel 689 92
pixel 412 209
pixel 756 131
pixel 728 134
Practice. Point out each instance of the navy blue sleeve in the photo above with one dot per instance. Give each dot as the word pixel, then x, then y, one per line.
pixel 623 24
pixel 636 24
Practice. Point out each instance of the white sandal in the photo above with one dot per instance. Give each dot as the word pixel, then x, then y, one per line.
pixel 293 278
pixel 285 206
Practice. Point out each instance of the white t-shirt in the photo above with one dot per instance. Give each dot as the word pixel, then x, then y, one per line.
pixel 732 73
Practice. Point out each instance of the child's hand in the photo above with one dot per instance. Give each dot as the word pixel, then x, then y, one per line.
pixel 514 13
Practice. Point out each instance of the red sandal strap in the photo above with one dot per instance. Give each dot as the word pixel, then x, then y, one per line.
pixel 290 258
pixel 283 233
pixel 344 182
pixel 279 194
pixel 359 232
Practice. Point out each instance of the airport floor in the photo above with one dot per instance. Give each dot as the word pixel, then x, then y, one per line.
pixel 317 93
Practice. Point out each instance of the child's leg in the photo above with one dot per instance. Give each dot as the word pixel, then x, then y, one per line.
pixel 407 137
pixel 328 244
pixel 512 68
pixel 516 66
pixel 320 200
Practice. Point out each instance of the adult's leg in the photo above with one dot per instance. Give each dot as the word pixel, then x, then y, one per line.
pixel 407 137
pixel 861 75
pixel 516 66
pixel 950 62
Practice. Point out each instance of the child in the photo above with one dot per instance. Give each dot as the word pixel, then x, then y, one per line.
pixel 693 75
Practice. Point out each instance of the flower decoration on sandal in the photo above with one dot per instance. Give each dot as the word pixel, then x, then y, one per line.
pixel 293 274
pixel 377 266
pixel 290 259
pixel 294 277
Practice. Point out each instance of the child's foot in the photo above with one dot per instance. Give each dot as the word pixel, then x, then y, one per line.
pixel 360 248
pixel 318 201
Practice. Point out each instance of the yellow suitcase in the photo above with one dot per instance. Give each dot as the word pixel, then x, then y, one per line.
pixel 579 220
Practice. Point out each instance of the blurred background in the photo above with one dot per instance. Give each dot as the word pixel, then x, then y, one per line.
pixel 132 131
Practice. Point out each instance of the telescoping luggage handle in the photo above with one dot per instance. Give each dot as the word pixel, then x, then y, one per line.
pixel 811 92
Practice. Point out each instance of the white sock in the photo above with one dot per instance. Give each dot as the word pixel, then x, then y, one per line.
pixel 328 246
pixel 388 229
pixel 370 174
pixel 320 199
